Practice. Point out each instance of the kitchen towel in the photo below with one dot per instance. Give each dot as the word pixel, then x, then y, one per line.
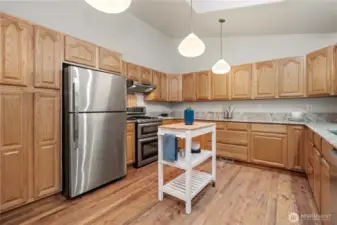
pixel 170 148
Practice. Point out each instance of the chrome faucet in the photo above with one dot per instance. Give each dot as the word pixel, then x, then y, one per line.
pixel 229 112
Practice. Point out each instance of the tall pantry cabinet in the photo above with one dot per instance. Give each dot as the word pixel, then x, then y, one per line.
pixel 30 112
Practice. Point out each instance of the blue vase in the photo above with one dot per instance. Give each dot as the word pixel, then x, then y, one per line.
pixel 189 116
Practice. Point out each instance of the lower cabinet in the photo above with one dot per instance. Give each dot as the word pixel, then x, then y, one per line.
pixel 325 189
pixel 47 149
pixel 296 152
pixel 130 143
pixel 310 175
pixel 269 149
pixel 317 178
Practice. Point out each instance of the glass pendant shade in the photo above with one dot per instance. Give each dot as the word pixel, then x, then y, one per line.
pixel 221 67
pixel 191 46
pixel 110 6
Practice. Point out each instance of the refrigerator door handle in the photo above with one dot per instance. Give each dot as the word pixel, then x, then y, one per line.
pixel 75 109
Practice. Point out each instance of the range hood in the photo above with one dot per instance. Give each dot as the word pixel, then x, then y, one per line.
pixel 137 87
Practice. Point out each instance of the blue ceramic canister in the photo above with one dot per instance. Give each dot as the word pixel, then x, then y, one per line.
pixel 189 116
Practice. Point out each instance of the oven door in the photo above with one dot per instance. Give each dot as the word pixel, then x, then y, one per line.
pixel 147 129
pixel 147 151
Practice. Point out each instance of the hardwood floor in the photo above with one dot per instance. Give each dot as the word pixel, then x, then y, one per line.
pixel 244 194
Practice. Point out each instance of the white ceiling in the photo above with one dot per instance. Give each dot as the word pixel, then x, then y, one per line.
pixel 172 17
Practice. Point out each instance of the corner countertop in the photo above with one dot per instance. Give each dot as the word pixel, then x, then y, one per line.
pixel 321 128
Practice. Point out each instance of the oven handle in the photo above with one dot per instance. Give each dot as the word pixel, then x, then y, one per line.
pixel 148 139
pixel 150 124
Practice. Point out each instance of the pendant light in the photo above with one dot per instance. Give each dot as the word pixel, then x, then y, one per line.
pixel 110 6
pixel 221 66
pixel 191 46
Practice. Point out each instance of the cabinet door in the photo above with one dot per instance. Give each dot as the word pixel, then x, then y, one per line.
pixel 241 81
pixel 47 151
pixel 317 178
pixel 189 92
pixel 48 58
pixel 203 85
pixel 310 174
pixel 291 77
pixel 156 80
pixel 145 75
pixel 133 72
pixel 110 60
pixel 318 72
pixel 174 88
pixel 79 51
pixel 295 147
pixel 269 149
pixel 163 87
pixel 264 77
pixel 16 40
pixel 130 155
pixel 220 86
pixel 334 68
pixel 14 147
pixel 124 71
pixel 325 189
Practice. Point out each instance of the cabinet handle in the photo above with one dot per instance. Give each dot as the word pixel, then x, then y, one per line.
pixel 75 108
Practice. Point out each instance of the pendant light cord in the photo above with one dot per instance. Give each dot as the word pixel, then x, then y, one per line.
pixel 192 24
pixel 221 41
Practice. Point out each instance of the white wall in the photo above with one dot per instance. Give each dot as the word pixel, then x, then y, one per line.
pixel 248 49
pixel 137 41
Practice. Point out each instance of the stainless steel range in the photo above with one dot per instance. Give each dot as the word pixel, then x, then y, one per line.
pixel 146 135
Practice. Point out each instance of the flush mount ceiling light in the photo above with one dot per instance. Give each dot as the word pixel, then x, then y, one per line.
pixel 191 46
pixel 110 6
pixel 221 66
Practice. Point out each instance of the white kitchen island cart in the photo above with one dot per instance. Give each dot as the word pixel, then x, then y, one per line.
pixel 190 183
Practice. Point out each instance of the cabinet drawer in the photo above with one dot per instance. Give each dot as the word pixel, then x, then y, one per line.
pixel 232 137
pixel 237 126
pixel 220 125
pixel 130 127
pixel 269 128
pixel 232 151
pixel 318 142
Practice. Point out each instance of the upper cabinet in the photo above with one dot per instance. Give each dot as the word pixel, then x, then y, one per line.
pixel 16 58
pixel 124 67
pixel 109 60
pixel 174 86
pixel 264 79
pixel 79 51
pixel 156 80
pixel 133 71
pixel 145 75
pixel 189 92
pixel 334 69
pixel 203 85
pixel 163 87
pixel 48 58
pixel 291 77
pixel 319 65
pixel 241 80
pixel 220 86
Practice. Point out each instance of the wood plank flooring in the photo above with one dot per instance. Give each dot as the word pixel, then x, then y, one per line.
pixel 244 194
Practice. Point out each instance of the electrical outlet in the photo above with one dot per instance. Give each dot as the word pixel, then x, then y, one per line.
pixel 309 107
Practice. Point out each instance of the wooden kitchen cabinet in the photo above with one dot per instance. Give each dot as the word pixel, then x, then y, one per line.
pixel 156 80
pixel 220 86
pixel 47 143
pixel 241 81
pixel 319 72
pixel 269 149
pixel 133 71
pixel 291 77
pixel 334 69
pixel 110 60
pixel 15 127
pixel 296 148
pixel 124 72
pixel 325 190
pixel 16 56
pixel 79 51
pixel 203 85
pixel 189 87
pixel 310 175
pixel 163 87
pixel 317 178
pixel 130 137
pixel 264 79
pixel 145 75
pixel 174 85
pixel 48 58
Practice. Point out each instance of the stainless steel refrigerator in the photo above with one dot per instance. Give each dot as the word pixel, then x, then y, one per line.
pixel 94 129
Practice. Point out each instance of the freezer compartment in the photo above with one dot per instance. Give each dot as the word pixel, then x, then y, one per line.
pixel 88 90
pixel 95 152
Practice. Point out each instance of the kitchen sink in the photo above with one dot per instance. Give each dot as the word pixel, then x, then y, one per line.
pixel 333 132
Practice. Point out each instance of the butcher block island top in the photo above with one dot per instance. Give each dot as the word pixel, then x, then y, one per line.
pixel 183 126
